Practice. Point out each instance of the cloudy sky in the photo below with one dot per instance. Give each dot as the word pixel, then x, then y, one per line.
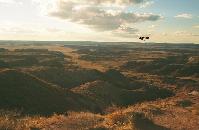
pixel 100 20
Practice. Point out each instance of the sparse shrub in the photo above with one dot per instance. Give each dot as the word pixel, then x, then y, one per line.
pixel 118 118
pixel 82 120
pixel 10 120
pixel 184 103
pixel 141 122
pixel 154 110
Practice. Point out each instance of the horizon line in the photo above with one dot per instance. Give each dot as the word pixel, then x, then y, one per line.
pixel 101 41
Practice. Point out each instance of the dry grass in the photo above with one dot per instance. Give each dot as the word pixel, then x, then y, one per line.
pixel 82 120
pixel 13 120
pixel 73 121
pixel 160 114
pixel 10 120
pixel 118 120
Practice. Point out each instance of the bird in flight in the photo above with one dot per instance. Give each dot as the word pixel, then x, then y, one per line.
pixel 144 38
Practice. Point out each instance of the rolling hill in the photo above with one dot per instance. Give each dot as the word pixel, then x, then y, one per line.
pixel 22 91
pixel 106 94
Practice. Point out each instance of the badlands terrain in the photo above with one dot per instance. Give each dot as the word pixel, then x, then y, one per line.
pixel 98 86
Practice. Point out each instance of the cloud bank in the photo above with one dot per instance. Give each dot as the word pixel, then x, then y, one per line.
pixel 102 15
pixel 185 16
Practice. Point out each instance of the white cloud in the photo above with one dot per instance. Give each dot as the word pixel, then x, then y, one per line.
pixel 99 18
pixel 184 15
pixel 146 4
pixel 125 31
pixel 94 2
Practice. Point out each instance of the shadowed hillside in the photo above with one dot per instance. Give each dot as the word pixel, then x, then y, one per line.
pixel 25 92
pixel 106 94
pixel 67 78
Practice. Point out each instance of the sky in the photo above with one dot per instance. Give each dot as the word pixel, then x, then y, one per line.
pixel 171 21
